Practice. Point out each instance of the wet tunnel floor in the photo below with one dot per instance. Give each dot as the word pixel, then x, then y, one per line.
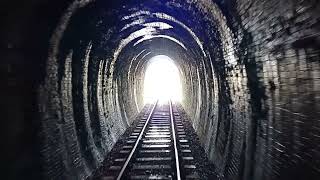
pixel 204 169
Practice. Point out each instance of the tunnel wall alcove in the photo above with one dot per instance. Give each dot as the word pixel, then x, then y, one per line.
pixel 251 70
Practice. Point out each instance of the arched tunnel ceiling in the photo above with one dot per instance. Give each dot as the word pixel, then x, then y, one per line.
pixel 241 65
pixel 106 48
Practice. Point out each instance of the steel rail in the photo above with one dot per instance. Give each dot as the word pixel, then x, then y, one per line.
pixel 136 144
pixel 175 143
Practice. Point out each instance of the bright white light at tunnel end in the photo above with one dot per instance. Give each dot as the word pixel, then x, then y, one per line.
pixel 162 81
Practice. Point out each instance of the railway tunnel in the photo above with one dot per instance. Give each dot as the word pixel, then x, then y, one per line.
pixel 74 73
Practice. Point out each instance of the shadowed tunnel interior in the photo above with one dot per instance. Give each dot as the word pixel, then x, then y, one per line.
pixel 73 74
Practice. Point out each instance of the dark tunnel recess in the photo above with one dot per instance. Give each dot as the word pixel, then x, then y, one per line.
pixel 250 76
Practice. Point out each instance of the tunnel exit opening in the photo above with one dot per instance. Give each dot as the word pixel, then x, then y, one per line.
pixel 162 81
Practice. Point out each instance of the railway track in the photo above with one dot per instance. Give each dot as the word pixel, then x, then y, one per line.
pixel 157 148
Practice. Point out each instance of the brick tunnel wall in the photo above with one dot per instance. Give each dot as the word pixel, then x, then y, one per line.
pixel 273 127
pixel 285 43
pixel 256 110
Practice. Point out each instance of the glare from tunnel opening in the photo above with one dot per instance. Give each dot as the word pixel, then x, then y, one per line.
pixel 162 81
